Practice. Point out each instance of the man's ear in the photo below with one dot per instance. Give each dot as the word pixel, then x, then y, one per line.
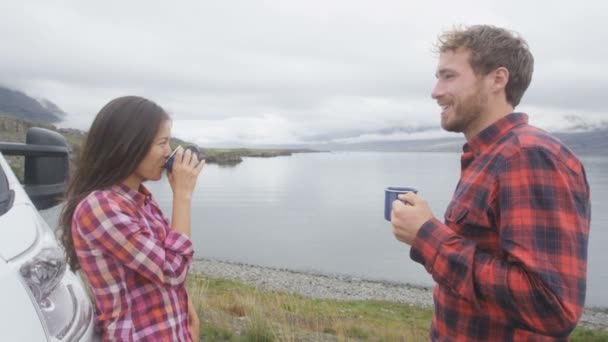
pixel 500 78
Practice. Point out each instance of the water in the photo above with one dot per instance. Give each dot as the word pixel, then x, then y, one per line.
pixel 323 213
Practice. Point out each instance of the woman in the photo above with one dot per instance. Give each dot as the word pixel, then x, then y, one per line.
pixel 134 259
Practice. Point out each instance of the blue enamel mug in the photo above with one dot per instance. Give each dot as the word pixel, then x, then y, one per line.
pixel 169 163
pixel 390 195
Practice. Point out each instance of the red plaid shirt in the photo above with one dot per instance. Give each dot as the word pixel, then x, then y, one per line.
pixel 135 264
pixel 510 261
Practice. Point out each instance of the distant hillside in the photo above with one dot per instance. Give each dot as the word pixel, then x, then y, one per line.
pixel 582 143
pixel 423 145
pixel 587 143
pixel 29 111
pixel 14 130
pixel 22 106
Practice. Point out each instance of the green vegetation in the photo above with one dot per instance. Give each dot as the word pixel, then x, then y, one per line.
pixel 231 311
pixel 230 157
pixel 233 156
pixel 587 335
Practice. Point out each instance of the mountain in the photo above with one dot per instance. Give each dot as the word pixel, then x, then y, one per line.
pixel 578 123
pixel 22 106
pixel 53 108
pixel 586 143
pixel 586 140
pixel 421 145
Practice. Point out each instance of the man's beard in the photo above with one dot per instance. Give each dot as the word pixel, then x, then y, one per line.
pixel 465 112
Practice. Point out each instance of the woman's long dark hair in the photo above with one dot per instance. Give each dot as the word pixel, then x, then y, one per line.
pixel 118 140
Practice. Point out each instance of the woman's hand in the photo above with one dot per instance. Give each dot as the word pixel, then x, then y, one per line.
pixel 193 322
pixel 183 180
pixel 184 173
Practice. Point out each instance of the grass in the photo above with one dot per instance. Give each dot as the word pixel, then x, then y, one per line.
pixel 231 311
pixel 587 335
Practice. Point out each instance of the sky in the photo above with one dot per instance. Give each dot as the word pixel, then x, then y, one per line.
pixel 239 73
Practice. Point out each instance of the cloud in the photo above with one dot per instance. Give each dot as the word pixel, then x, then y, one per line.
pixel 287 71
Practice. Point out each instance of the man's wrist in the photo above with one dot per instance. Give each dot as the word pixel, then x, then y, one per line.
pixel 427 243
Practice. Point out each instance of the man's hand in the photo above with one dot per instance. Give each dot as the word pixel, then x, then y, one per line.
pixel 193 321
pixel 408 218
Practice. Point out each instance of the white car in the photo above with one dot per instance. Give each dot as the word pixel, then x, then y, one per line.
pixel 41 299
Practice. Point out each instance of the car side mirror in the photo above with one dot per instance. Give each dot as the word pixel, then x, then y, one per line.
pixel 46 167
pixel 46 170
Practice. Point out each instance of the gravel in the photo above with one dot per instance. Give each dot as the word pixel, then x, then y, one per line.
pixel 342 288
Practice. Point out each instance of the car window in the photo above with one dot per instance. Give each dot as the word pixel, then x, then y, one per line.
pixel 6 194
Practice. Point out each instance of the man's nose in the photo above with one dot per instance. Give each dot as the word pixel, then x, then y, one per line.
pixel 437 90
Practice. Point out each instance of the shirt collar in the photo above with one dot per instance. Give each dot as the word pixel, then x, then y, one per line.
pixel 495 131
pixel 140 197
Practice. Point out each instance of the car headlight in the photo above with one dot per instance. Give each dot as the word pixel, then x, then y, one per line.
pixel 43 273
pixel 58 293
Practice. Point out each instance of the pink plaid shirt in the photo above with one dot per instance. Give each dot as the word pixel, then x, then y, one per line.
pixel 135 264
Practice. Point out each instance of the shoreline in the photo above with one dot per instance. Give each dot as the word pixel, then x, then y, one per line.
pixel 343 288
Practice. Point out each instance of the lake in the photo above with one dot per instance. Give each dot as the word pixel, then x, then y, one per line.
pixel 323 213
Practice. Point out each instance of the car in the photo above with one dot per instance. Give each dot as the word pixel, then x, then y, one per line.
pixel 42 299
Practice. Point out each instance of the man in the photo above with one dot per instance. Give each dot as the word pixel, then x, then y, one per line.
pixel 510 261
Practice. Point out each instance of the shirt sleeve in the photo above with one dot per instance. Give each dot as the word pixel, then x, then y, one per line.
pixel 539 280
pixel 115 229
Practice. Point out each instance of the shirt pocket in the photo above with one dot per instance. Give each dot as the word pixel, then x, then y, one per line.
pixel 469 221
pixel 474 224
